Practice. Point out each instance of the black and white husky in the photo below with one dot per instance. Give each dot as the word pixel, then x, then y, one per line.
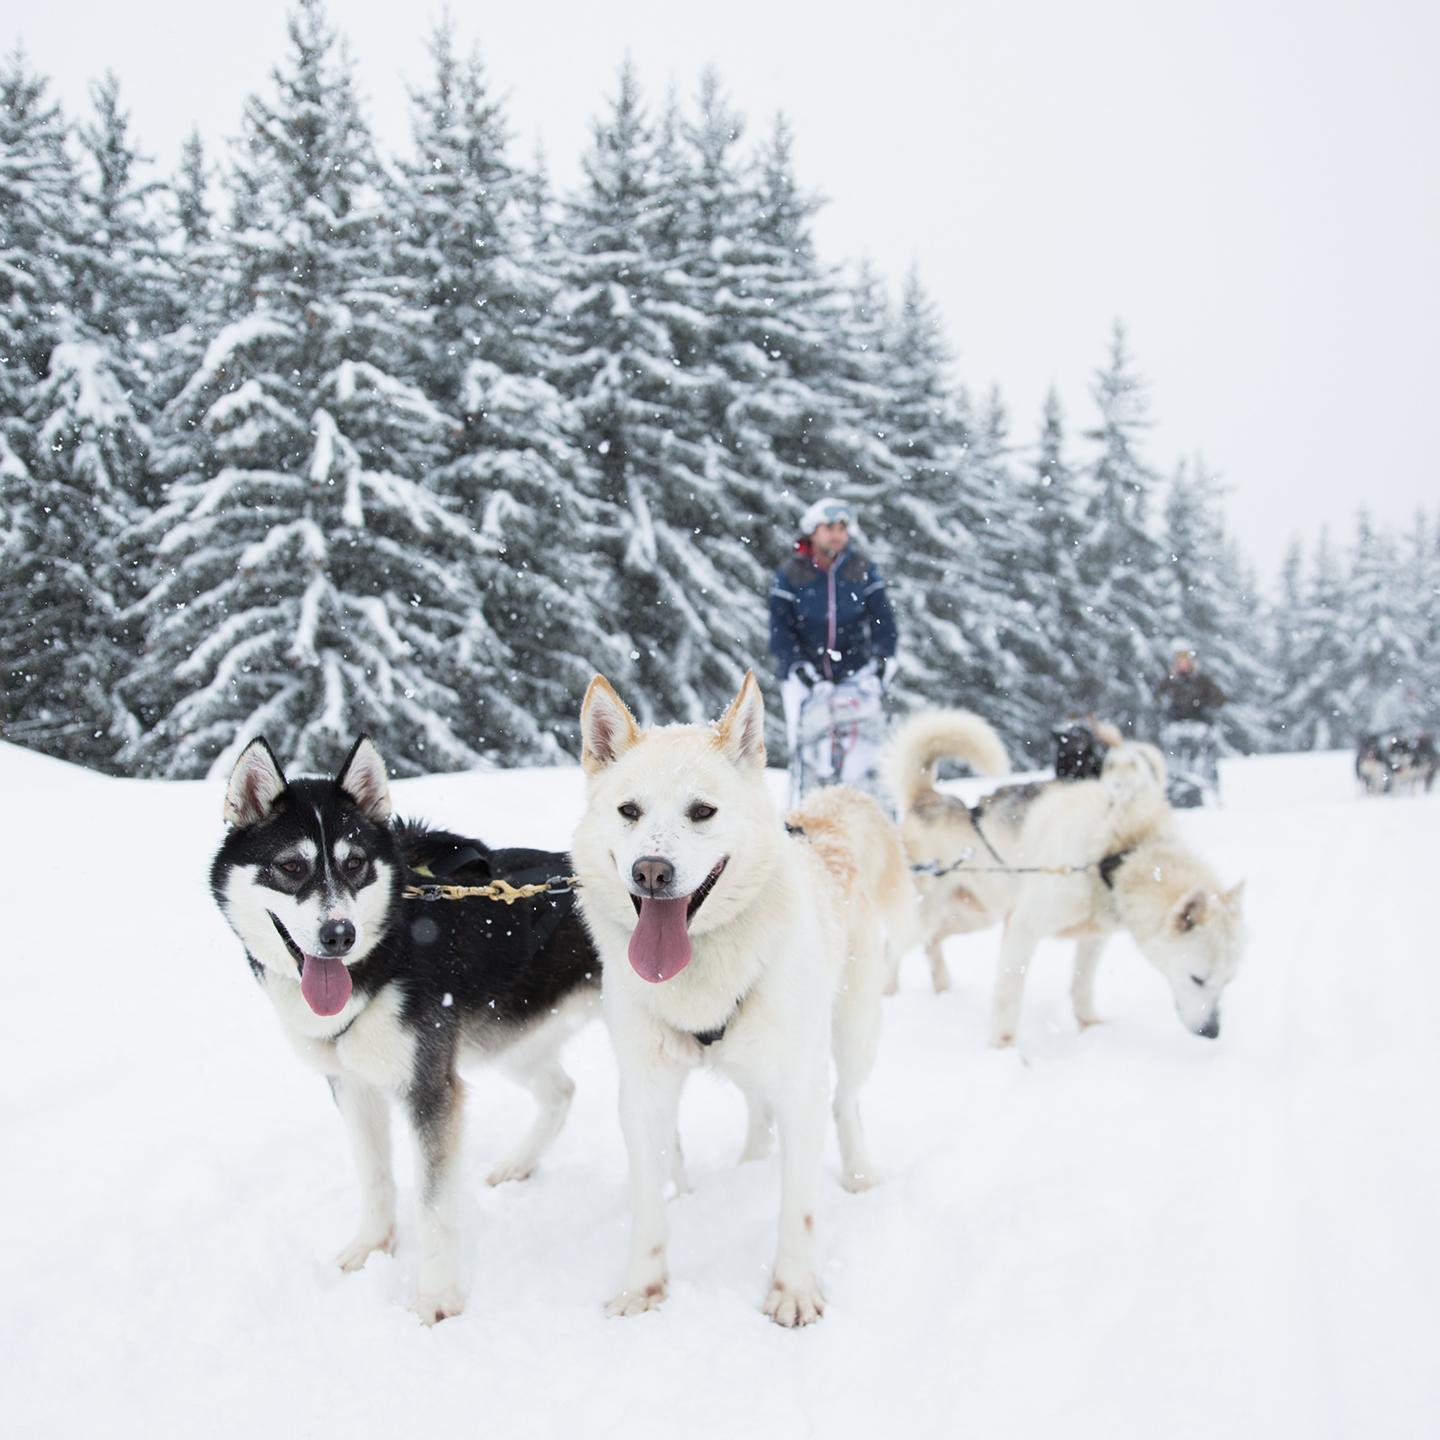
pixel 383 995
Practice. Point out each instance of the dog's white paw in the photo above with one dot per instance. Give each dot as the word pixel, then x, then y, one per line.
pixel 433 1308
pixel 795 1304
pixel 520 1168
pixel 941 981
pixel 638 1301
pixel 858 1181
pixel 1086 1021
pixel 363 1246
pixel 1002 1040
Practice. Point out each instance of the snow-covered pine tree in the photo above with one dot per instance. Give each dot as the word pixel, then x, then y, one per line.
pixel 1124 653
pixel 1312 712
pixel 815 415
pixel 948 581
pixel 311 586
pixel 998 685
pixel 539 623
pixel 1421 580
pixel 629 326
pixel 1379 654
pixel 744 516
pixel 1049 602
pixel 1213 605
pixel 37 202
pixel 74 454
pixel 1283 649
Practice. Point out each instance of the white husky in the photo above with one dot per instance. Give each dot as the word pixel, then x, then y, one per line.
pixel 727 938
pixel 1071 859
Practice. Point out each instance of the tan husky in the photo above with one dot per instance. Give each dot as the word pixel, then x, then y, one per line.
pixel 1075 859
pixel 731 939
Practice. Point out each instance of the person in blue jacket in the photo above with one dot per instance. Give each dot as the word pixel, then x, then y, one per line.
pixel 834 638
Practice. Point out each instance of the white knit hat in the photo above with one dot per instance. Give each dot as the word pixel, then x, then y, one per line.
pixel 827 511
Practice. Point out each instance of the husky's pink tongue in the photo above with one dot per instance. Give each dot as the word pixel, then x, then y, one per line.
pixel 325 984
pixel 660 944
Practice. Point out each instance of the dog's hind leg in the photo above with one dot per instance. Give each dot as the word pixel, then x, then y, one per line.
pixel 856 1039
pixel 1017 947
pixel 649 1110
pixel 939 971
pixel 553 1090
pixel 436 1111
pixel 1082 983
pixel 366 1113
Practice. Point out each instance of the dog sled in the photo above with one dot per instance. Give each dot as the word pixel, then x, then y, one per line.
pixel 838 736
pixel 1192 759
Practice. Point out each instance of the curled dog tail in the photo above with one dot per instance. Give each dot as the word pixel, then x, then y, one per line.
pixel 924 740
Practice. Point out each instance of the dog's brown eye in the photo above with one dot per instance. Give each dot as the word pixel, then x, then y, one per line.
pixel 701 811
pixel 630 810
pixel 354 865
pixel 292 867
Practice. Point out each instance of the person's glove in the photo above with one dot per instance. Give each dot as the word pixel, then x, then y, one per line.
pixel 806 674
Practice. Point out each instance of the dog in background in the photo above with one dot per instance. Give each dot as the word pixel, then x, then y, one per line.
pixel 1390 760
pixel 1074 859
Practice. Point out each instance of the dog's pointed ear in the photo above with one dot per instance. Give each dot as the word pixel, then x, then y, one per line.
pixel 256 783
pixel 362 777
pixel 741 731
pixel 1233 897
pixel 1191 911
pixel 607 728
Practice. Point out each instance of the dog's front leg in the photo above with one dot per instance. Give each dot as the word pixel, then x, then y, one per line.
pixel 1016 949
pixel 365 1109
pixel 1082 983
pixel 649 1111
pixel 437 1113
pixel 795 1296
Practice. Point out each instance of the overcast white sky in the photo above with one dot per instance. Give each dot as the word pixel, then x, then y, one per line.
pixel 1251 186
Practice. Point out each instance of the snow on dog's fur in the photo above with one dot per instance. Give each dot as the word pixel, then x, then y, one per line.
pixel 728 940
pixel 1151 883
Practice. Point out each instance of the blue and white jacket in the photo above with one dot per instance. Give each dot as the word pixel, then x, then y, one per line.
pixel 837 619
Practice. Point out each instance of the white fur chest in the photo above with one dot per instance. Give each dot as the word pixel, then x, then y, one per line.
pixel 365 1039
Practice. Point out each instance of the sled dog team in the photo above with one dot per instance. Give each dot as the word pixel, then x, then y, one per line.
pixel 711 931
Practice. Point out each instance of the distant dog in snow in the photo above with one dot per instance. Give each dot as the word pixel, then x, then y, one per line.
pixel 1122 867
pixel 1389 760
pixel 382 995
pixel 728 939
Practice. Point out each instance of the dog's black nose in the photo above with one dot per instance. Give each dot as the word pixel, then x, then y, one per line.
pixel 336 937
pixel 1211 1029
pixel 652 874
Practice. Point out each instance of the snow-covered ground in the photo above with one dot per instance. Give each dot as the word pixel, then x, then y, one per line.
pixel 1131 1232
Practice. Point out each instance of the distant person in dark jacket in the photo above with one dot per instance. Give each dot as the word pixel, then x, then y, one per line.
pixel 833 636
pixel 1186 693
pixel 1190 702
